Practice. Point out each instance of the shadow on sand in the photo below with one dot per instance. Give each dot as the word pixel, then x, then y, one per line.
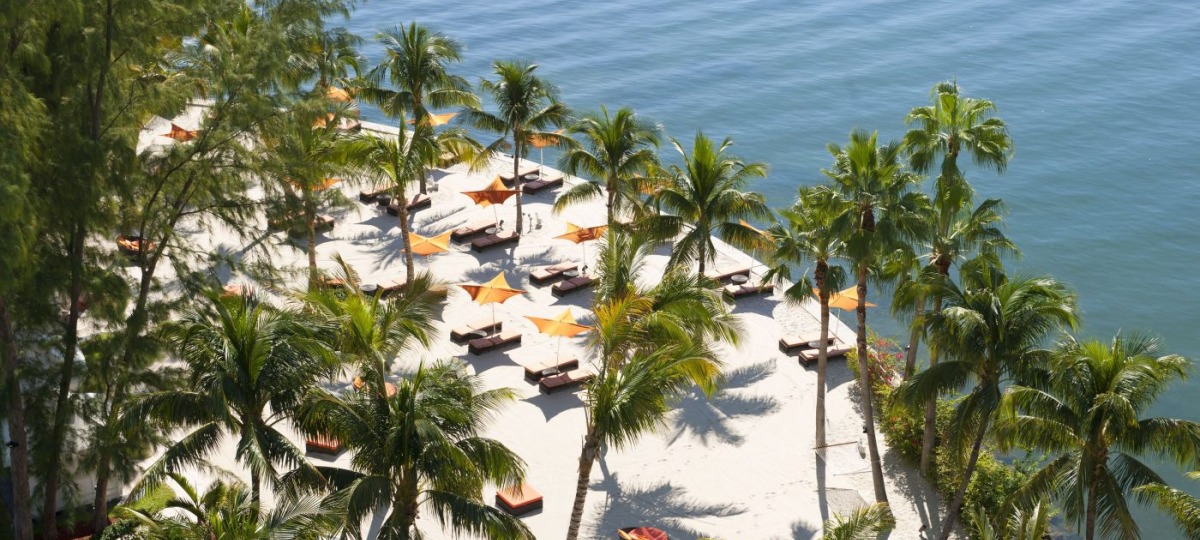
pixel 707 418
pixel 658 505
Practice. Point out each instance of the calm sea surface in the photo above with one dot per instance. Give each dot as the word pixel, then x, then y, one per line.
pixel 1102 98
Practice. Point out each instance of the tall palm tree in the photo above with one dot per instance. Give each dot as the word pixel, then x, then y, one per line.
pixel 653 345
pixel 418 450
pixel 618 149
pixel 1085 411
pixel 415 68
pixel 1176 503
pixel 327 55
pixel 225 511
pixel 704 197
pixel 879 212
pixel 951 124
pixel 1016 523
pixel 249 366
pixel 806 236
pixel 866 523
pixel 526 107
pixel 989 333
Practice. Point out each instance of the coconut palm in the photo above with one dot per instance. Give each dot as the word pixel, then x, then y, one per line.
pixel 419 450
pixel 1176 503
pixel 806 236
pixel 618 149
pixel 249 366
pixel 989 334
pixel 951 124
pixel 653 345
pixel 879 212
pixel 1085 412
pixel 327 55
pixel 415 69
pixel 866 523
pixel 704 197
pixel 1017 523
pixel 526 107
pixel 225 511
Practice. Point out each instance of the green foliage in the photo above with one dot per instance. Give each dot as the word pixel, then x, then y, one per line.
pixel 152 501
pixel 867 523
pixel 126 529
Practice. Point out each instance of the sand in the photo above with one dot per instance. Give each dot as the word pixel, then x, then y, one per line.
pixel 738 466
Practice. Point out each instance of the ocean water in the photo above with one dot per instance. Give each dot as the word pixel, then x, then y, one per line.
pixel 1101 98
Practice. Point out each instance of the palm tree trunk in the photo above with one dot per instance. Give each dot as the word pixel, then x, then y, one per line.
pixel 864 384
pixel 18 454
pixel 1092 506
pixel 100 502
pixel 961 494
pixel 612 198
pixel 408 254
pixel 929 437
pixel 703 254
pixel 255 486
pixel 914 341
pixel 311 233
pixel 517 177
pixel 822 361
pixel 587 457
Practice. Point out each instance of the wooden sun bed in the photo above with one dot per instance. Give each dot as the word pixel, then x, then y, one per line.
pixel 416 202
pixel 569 286
pixel 326 282
pixel 130 245
pixel 481 345
pixel 793 344
pixel 473 228
pixel 507 177
pixel 349 125
pixel 746 289
pixel 492 240
pixel 389 287
pixel 322 444
pixel 536 371
pixel 839 349
pixel 518 501
pixel 320 223
pixel 548 274
pixel 370 194
pixel 567 379
pixel 486 326
pixel 724 275
pixel 546 181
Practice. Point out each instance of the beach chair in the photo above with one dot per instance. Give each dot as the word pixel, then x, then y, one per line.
pixel 480 245
pixel 524 170
pixel 481 345
pixel 327 282
pixel 567 379
pixel 518 501
pixel 322 444
pixel 370 194
pixel 323 222
pixel 746 289
pixel 569 286
pixel 837 350
pixel 130 245
pixel 723 275
pixel 546 181
pixel 349 125
pixel 794 344
pixel 416 202
pixel 473 228
pixel 389 287
pixel 475 329
pixel 548 274
pixel 538 370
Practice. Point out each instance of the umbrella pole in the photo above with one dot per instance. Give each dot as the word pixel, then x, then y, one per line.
pixel 493 314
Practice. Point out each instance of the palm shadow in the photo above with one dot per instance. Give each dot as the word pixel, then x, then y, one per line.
pixel 555 404
pixel 662 505
pixel 708 419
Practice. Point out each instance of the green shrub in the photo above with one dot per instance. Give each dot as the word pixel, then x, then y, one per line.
pixel 125 529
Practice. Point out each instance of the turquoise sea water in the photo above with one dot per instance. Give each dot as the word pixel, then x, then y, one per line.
pixel 1101 98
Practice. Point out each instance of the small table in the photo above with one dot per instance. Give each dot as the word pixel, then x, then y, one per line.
pixel 491 230
pixel 814 344
pixel 571 273
pixel 550 371
pixel 369 289
pixel 531 177
pixel 739 279
pixel 477 334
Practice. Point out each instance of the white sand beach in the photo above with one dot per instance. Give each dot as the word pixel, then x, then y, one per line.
pixel 738 466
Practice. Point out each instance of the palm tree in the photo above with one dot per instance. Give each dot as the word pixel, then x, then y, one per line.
pixel 327 55
pixel 953 123
pixel 704 197
pixel 619 149
pixel 1176 503
pixel 989 333
pixel 1085 411
pixel 415 68
pixel 420 449
pixel 227 512
pixel 249 366
pixel 807 236
pixel 1017 523
pixel 526 106
pixel 879 212
pixel 866 523
pixel 654 344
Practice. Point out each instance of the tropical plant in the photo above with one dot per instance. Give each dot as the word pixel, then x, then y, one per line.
pixel 249 365
pixel 1017 523
pixel 420 449
pixel 705 197
pixel 953 123
pixel 1176 503
pixel 653 345
pixel 806 236
pixel 526 107
pixel 1085 410
pixel 328 55
pixel 879 212
pixel 866 523
pixel 415 68
pixel 990 333
pixel 618 149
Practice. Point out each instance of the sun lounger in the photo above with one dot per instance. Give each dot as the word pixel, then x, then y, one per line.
pixel 838 349
pixel 481 345
pixel 323 444
pixel 536 371
pixel 370 194
pixel 131 245
pixel 475 329
pixel 320 223
pixel 567 379
pixel 525 170
pixel 548 274
pixel 746 289
pixel 326 282
pixel 723 275
pixel 518 501
pixel 492 240
pixel 792 344
pixel 569 286
pixel 473 228
pixel 546 181
pixel 323 222
pixel 389 287
pixel 416 202
pixel 349 125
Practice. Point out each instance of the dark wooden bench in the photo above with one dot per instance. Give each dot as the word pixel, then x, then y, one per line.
pixel 723 275
pixel 481 345
pixel 518 501
pixel 370 194
pixel 417 202
pixel 569 286
pixel 492 240
pixel 568 379
pixel 839 349
pixel 793 344
pixel 549 274
pixel 471 229
pixel 545 181
pixel 466 331
pixel 746 289
pixel 524 170
pixel 537 371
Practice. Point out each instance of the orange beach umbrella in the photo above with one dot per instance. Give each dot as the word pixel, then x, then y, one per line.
pixel 180 134
pixel 497 290
pixel 495 193
pixel 436 120
pixel 845 300
pixel 541 141
pixel 337 94
pixel 430 246
pixel 562 326
pixel 579 235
